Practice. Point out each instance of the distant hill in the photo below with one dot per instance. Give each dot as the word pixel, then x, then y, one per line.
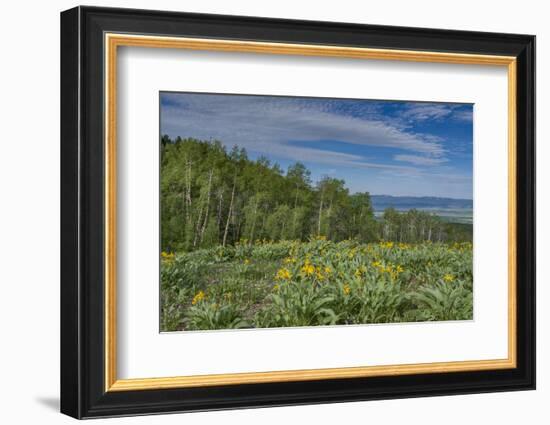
pixel 381 202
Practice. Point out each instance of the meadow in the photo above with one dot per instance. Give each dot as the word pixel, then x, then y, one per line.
pixel 267 284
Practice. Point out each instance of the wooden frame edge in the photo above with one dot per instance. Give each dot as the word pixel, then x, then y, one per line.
pixel 512 212
pixel 306 375
pixel 110 213
pixel 114 40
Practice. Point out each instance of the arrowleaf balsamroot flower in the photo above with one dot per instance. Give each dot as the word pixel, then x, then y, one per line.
pixel 198 297
pixel 448 277
pixel 283 274
pixel 308 268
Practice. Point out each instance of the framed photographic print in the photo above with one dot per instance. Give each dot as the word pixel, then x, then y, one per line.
pixel 261 212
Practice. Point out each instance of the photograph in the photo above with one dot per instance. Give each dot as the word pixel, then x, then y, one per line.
pixel 286 210
pixel 279 211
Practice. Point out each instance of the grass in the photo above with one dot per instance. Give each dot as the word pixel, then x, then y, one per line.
pixel 289 283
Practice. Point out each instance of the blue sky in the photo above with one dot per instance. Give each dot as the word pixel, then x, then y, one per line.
pixel 399 148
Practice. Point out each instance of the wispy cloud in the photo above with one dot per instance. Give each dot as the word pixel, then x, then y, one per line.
pixel 311 154
pixel 382 138
pixel 464 115
pixel 432 111
pixel 420 160
pixel 259 121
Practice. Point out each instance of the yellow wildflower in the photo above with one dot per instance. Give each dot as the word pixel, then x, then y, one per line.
pixel 308 268
pixel 167 256
pixel 319 273
pixel 283 274
pixel 328 270
pixel 448 277
pixel 198 297
pixel 246 261
pixel 347 289
pixel 276 287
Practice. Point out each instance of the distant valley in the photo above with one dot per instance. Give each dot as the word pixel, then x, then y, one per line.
pixel 449 209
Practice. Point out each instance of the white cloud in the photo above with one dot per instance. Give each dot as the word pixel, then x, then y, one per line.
pixel 463 115
pixel 432 111
pixel 260 123
pixel 423 112
pixel 420 160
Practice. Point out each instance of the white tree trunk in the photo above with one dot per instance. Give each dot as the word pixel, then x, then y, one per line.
pixel 230 211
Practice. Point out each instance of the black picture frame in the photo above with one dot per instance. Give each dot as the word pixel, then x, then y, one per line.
pixel 83 392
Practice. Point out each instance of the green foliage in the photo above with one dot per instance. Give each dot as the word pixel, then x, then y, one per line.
pixel 296 304
pixel 444 302
pixel 370 301
pixel 172 307
pixel 210 316
pixel 320 282
pixel 212 197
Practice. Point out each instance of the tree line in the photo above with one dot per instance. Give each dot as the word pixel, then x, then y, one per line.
pixel 211 196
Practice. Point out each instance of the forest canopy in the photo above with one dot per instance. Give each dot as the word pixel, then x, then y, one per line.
pixel 211 196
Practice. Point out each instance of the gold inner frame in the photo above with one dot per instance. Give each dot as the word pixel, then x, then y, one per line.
pixel 113 41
